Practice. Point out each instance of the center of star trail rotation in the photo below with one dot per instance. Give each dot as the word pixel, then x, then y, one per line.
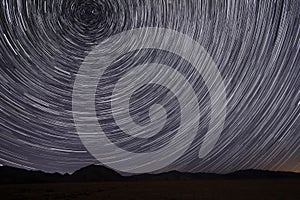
pixel 254 44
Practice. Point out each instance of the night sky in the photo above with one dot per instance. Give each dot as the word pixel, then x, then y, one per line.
pixel 254 45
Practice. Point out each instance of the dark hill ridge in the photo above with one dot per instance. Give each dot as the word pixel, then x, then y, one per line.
pixel 252 173
pixel 97 173
pixel 87 174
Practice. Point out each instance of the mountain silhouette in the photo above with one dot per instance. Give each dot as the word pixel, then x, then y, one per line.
pixel 17 175
pixel 252 173
pixel 97 173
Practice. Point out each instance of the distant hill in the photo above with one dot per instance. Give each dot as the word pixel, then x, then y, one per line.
pixel 96 173
pixel 252 173
pixel 87 174
pixel 16 175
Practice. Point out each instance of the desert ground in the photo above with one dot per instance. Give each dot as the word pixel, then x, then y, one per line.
pixel 200 189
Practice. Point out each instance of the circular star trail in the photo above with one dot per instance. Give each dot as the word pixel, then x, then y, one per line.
pixel 254 44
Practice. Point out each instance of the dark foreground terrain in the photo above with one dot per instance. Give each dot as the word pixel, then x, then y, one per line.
pixel 99 182
pixel 186 189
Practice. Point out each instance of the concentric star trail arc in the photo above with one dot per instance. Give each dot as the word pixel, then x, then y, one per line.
pixel 255 46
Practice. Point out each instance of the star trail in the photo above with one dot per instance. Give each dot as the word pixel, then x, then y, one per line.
pixel 251 50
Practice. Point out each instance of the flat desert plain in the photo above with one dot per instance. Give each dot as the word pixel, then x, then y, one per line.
pixel 273 189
